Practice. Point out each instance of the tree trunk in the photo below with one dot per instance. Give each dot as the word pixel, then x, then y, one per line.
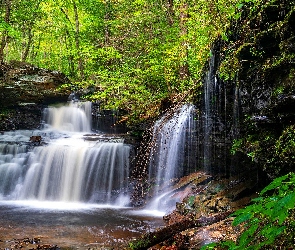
pixel 77 40
pixel 28 45
pixel 4 38
pixel 153 238
pixel 184 69
pixel 107 17
pixel 28 30
pixel 170 12
pixel 71 63
pixel 68 44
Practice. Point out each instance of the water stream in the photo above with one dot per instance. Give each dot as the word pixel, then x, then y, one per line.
pixel 169 157
pixel 68 165
pixel 70 187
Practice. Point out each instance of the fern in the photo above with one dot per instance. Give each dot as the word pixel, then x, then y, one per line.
pixel 267 218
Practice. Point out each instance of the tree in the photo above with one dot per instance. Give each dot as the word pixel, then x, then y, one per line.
pixel 129 54
pixel 6 5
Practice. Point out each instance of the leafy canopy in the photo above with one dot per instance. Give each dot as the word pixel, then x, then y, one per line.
pixel 125 54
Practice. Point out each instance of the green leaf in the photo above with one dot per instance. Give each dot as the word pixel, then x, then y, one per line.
pixel 240 6
pixel 280 210
pixel 275 184
pixel 242 218
pixel 191 201
pixel 224 37
pixel 230 244
pixel 247 235
pixel 209 246
pixel 258 199
pixel 270 232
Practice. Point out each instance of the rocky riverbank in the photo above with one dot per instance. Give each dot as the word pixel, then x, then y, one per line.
pixel 26 244
pixel 203 213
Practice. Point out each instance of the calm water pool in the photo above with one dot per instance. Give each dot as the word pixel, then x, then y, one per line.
pixel 73 225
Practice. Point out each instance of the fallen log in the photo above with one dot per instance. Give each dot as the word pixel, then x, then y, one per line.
pixel 150 239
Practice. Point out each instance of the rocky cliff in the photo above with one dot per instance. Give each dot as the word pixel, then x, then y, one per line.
pixel 252 86
pixel 24 90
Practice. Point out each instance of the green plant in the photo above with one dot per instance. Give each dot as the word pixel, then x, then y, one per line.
pixel 137 244
pixel 268 217
pixel 236 146
pixel 282 157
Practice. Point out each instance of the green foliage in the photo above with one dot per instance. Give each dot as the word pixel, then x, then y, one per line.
pixel 268 220
pixel 272 149
pixel 283 150
pixel 191 201
pixel 138 244
pixel 236 145
pixel 131 54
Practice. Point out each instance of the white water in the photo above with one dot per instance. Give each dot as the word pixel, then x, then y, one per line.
pixel 167 159
pixel 66 167
pixel 75 117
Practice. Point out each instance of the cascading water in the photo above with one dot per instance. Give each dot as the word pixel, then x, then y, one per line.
pixel 169 154
pixel 209 109
pixel 75 117
pixel 219 121
pixel 71 184
pixel 68 166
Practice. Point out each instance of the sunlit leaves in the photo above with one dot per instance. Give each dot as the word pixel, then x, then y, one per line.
pixel 7 27
pixel 142 45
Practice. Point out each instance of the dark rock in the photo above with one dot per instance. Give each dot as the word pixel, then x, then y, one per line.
pixel 285 104
pixel 36 139
pixel 254 102
pixel 22 83
pixel 261 119
pixel 26 116
pixel 24 91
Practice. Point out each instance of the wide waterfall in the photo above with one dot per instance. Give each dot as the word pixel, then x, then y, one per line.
pixel 75 117
pixel 169 157
pixel 67 166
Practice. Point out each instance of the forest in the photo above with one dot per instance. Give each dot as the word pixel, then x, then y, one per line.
pixel 127 54
pixel 145 56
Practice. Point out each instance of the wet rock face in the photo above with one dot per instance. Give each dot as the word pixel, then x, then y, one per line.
pixel 260 51
pixel 21 117
pixel 265 56
pixel 22 83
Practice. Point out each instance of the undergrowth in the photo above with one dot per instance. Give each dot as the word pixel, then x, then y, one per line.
pixel 268 221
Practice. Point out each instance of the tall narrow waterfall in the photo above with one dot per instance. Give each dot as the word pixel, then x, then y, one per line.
pixel 68 167
pixel 171 142
pixel 219 120
pixel 210 86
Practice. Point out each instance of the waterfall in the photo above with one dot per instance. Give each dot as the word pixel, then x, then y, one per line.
pixel 210 84
pixel 219 121
pixel 85 171
pixel 74 117
pixel 67 167
pixel 168 157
